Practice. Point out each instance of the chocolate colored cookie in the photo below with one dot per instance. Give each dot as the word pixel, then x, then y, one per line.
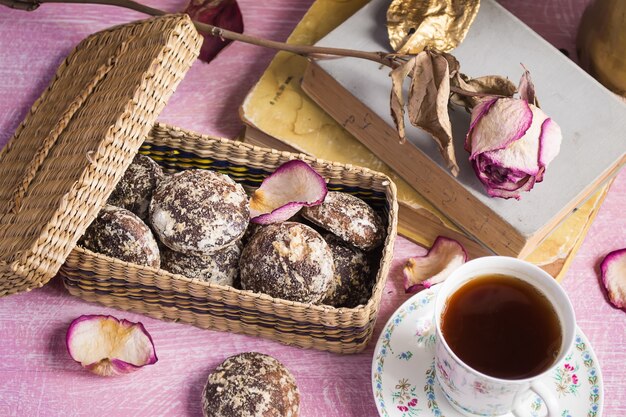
pixel 349 218
pixel 134 191
pixel 199 211
pixel 220 267
pixel 251 385
pixel 287 260
pixel 352 282
pixel 118 233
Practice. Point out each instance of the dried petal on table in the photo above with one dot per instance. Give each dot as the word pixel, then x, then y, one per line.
pixel 436 266
pixel 414 25
pixel 293 185
pixel 613 269
pixel 223 13
pixel 108 346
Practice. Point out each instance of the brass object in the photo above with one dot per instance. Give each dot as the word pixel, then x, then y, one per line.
pixel 601 43
pixel 440 24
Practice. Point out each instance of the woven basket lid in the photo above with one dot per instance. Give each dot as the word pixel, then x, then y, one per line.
pixel 78 139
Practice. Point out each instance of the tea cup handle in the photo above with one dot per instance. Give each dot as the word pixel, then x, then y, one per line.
pixel 541 390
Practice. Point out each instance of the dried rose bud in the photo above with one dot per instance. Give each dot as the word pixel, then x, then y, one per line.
pixel 107 346
pixel 511 142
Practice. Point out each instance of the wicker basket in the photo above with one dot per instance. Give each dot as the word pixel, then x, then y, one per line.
pixel 163 295
pixel 74 146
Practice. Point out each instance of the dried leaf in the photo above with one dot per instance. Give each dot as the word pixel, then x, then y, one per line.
pixel 222 13
pixel 397 100
pixel 527 88
pixel 414 25
pixel 428 102
pixel 489 84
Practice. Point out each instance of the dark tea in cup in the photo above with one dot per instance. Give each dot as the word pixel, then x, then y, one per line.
pixel 502 326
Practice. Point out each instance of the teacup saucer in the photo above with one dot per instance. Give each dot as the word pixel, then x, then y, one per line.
pixel 403 372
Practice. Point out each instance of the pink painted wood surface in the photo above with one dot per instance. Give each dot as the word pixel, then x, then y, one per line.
pixel 37 378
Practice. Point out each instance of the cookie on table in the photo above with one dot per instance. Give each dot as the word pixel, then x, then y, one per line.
pixel 349 218
pixel 220 267
pixel 287 260
pixel 134 191
pixel 199 211
pixel 251 384
pixel 118 233
pixel 353 280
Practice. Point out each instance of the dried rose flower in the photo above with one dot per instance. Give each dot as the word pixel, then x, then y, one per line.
pixel 511 142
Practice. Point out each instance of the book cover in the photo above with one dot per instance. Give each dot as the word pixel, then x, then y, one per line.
pixel 278 114
pixel 356 94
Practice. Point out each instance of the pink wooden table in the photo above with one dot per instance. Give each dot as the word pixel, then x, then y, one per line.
pixel 36 375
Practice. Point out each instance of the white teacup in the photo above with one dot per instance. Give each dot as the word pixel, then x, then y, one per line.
pixel 473 393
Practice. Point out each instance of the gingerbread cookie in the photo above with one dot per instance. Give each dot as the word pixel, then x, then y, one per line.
pixel 287 260
pixel 349 218
pixel 251 385
pixel 199 211
pixel 118 233
pixel 134 191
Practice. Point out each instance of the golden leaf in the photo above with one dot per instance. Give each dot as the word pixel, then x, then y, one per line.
pixel 487 85
pixel 428 102
pixel 397 100
pixel 440 24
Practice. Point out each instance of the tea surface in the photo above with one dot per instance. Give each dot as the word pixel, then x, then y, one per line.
pixel 502 326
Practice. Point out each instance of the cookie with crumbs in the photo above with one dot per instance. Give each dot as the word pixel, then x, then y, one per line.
pixel 251 384
pixel 287 260
pixel 199 211
pixel 349 218
pixel 134 191
pixel 118 233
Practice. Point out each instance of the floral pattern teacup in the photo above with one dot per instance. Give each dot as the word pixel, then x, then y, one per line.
pixel 473 393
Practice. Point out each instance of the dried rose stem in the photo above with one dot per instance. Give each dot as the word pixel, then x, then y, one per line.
pixel 462 92
pixel 383 58
pixel 391 60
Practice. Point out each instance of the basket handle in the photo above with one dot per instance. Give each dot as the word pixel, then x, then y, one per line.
pixel 49 141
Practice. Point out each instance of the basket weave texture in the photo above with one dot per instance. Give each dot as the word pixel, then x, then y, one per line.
pixel 163 295
pixel 78 139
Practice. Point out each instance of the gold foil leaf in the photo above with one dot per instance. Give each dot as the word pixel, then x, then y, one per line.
pixel 440 24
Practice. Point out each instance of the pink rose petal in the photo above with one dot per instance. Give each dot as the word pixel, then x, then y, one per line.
pixel 477 114
pixel 509 120
pixel 281 195
pixel 613 270
pixel 107 346
pixel 223 13
pixel 527 88
pixel 442 258
pixel 549 141
pixel 522 154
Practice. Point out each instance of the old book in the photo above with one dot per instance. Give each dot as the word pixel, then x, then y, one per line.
pixel 278 114
pixel 356 94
